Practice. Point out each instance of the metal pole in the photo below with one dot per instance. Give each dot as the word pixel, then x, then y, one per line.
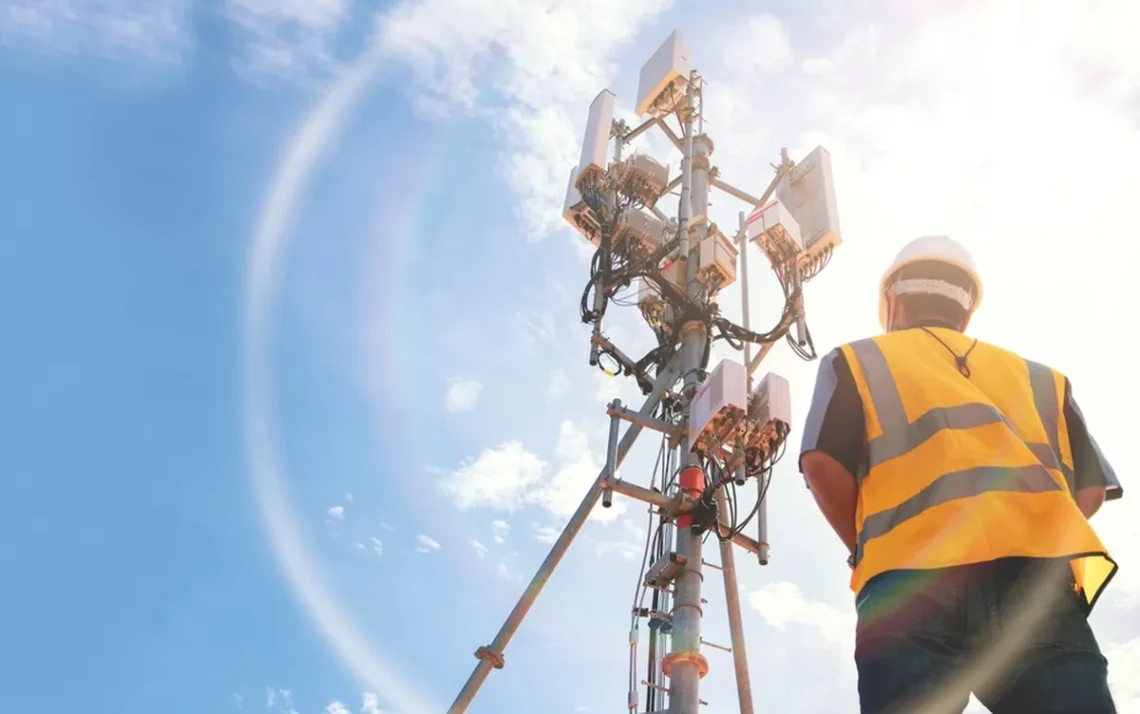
pixel 685 659
pixel 742 244
pixel 491 656
pixel 742 247
pixel 735 620
pixel 611 453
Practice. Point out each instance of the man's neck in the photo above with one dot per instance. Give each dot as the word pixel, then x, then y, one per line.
pixel 934 322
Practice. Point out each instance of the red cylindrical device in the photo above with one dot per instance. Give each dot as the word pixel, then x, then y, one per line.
pixel 692 481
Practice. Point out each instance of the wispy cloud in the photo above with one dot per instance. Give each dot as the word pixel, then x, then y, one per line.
pixel 155 30
pixel 427 544
pixel 498 478
pixel 377 545
pixel 336 513
pixel 545 533
pixel 509 476
pixel 370 704
pixel 499 531
pixel 287 39
pixel 551 72
pixel 462 394
pixel 480 549
pixel 557 385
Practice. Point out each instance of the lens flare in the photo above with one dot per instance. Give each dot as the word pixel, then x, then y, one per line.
pixel 266 469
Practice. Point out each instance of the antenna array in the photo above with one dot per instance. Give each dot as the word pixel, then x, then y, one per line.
pixel 718 432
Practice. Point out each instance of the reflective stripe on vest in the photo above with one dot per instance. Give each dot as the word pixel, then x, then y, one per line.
pixel 952 486
pixel 1048 406
pixel 900 435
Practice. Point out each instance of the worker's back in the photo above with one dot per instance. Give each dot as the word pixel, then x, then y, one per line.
pixel 968 458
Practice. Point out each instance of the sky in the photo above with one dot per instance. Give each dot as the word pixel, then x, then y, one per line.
pixel 296 394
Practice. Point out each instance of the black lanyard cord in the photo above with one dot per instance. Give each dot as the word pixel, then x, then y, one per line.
pixel 959 360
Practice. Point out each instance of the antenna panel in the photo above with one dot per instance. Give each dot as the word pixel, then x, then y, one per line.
pixel 775 231
pixel 809 194
pixel 661 85
pixel 770 409
pixel 596 144
pixel 717 261
pixel 718 408
pixel 645 230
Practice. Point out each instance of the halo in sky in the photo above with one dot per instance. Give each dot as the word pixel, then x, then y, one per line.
pixel 267 470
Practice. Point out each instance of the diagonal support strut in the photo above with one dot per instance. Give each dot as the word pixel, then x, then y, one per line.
pixel 491 656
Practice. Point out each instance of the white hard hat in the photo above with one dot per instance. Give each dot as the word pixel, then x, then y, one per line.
pixel 940 249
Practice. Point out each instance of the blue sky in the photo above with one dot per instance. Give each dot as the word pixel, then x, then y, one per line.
pixel 415 352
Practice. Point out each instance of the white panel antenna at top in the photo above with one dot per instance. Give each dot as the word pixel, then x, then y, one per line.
pixel 809 194
pixel 663 78
pixel 596 144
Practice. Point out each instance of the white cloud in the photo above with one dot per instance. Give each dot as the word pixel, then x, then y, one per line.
pixel 536 326
pixel 270 696
pixel 480 549
pixel 509 476
pixel 546 534
pixel 348 498
pixel 758 46
pixel 782 604
pixel 377 545
pixel 462 395
pixel 427 544
pixel 370 704
pixel 499 531
pixel 498 478
pixel 335 707
pixel 577 471
pixel 624 388
pixel 551 73
pixel 156 30
pixel 336 513
pixel 622 548
pixel 1124 675
pixel 287 38
pixel 557 385
pixel 504 572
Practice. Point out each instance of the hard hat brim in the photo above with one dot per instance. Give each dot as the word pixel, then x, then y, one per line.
pixel 893 270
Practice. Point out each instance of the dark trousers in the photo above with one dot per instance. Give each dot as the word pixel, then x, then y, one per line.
pixel 1013 631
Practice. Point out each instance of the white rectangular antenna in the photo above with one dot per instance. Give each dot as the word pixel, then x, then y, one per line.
pixel 718 407
pixel 646 230
pixel 775 231
pixel 596 144
pixel 809 193
pixel 663 77
pixel 718 261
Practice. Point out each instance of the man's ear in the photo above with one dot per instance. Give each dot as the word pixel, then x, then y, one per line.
pixel 895 313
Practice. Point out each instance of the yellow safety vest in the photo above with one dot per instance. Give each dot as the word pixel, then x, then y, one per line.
pixel 962 470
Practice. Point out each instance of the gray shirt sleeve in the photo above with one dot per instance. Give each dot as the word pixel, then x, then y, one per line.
pixel 1090 467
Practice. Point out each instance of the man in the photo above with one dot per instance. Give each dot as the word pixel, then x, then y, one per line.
pixel 961 478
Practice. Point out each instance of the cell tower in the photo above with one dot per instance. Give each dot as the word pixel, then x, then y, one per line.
pixel 719 432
